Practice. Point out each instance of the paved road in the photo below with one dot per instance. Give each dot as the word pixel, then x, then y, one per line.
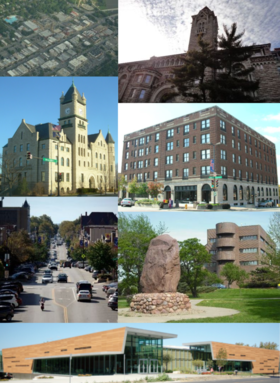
pixel 182 209
pixel 61 305
pixel 240 379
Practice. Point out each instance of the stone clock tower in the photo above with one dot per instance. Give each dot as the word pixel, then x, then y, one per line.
pixel 205 23
pixel 74 123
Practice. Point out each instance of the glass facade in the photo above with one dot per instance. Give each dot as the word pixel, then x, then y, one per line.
pixel 235 365
pixel 1 361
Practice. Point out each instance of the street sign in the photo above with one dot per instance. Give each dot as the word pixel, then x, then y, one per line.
pixel 216 177
pixel 49 160
pixel 215 193
pixel 83 256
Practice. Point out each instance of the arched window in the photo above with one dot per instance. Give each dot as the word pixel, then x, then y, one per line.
pixel 67 162
pixel 259 192
pixel 248 193
pixel 100 156
pixel 20 161
pixel 262 192
pixel 96 155
pixel 267 192
pixel 235 193
pixel 79 138
pixel 225 192
pixel 241 193
pixel 62 161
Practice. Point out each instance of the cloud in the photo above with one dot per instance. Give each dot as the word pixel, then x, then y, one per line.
pixel 271 129
pixel 272 117
pixel 272 139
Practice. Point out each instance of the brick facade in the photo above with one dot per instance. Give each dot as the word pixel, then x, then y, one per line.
pixel 148 80
pixel 147 154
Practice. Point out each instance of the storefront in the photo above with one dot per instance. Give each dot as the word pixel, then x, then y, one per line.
pixel 186 193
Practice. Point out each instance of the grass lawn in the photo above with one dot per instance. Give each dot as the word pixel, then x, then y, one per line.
pixel 255 305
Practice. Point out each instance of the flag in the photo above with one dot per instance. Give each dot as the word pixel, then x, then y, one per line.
pixel 56 128
pixel 212 166
pixel 56 135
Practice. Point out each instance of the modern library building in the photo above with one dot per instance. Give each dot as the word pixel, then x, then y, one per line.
pixel 129 350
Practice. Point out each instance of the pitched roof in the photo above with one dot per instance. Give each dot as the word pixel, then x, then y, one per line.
pixel 46 131
pixel 99 219
pixel 109 139
pixel 92 137
pixel 69 95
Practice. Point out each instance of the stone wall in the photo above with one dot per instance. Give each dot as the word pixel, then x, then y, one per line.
pixel 160 303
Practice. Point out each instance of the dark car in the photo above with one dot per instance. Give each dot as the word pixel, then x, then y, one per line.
pixel 11 286
pixel 12 282
pixel 22 275
pixel 113 303
pixel 53 267
pixel 67 264
pixel 6 312
pixel 84 285
pixel 62 278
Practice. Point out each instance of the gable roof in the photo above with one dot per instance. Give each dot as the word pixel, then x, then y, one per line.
pixel 99 219
pixel 109 139
pixel 69 95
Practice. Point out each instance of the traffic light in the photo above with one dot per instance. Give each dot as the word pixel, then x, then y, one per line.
pixel 59 177
pixel 217 183
pixel 212 183
pixel 28 155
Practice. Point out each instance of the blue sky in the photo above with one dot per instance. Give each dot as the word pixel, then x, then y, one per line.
pixel 64 208
pixel 157 28
pixel 18 334
pixel 264 118
pixel 36 99
pixel 194 225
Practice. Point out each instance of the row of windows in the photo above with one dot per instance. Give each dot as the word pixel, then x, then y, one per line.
pixel 81 139
pixel 242 263
pixel 250 250
pixel 248 237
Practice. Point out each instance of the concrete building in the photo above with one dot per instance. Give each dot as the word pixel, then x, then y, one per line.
pixel 184 153
pixel 126 351
pixel 242 245
pixel 148 80
pixel 83 160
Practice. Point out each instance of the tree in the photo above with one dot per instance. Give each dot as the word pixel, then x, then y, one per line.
pixel 142 189
pixel 233 82
pixel 102 256
pixel 191 79
pixel 210 364
pixel 232 273
pixel 122 183
pixel 221 358
pixel 67 229
pixel 197 363
pixel 263 277
pixel 133 186
pixel 242 278
pixel 269 345
pixel 20 246
pixel 193 256
pixel 11 171
pixel 167 358
pixel 135 234
pixel 155 188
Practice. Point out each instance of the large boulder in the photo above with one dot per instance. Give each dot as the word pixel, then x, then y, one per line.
pixel 161 271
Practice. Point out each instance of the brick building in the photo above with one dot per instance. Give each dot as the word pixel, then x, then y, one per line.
pixel 148 80
pixel 242 245
pixel 100 226
pixel 178 154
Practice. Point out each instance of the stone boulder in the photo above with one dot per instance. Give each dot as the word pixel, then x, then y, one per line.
pixel 161 271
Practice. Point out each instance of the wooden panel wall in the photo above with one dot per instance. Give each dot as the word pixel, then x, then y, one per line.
pixel 265 360
pixel 14 359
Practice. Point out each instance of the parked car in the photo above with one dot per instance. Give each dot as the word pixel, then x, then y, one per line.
pixel 11 286
pixel 7 313
pixel 9 291
pixel 113 303
pixel 84 295
pixel 219 286
pixel 87 268
pixel 67 264
pixel 22 275
pixel 267 203
pixel 127 202
pixel 111 291
pixel 84 285
pixel 62 278
pixel 110 285
pixel 9 298
pixel 47 278
pixel 96 273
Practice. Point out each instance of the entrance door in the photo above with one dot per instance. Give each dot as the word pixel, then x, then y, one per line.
pixel 153 366
pixel 143 366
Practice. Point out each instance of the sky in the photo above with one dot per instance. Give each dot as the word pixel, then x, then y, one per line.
pixel 195 225
pixel 156 28
pixel 64 208
pixel 264 118
pixel 36 99
pixel 19 334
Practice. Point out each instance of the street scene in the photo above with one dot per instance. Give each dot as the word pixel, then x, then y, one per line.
pixel 58 38
pixel 58 272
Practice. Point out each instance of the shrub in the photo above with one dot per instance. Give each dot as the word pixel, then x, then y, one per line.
pixel 129 299
pixel 105 276
pixel 209 206
pixel 202 204
pixel 161 378
pixel 225 206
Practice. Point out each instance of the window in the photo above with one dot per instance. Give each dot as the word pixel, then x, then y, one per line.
pixel 235 193
pixel 205 170
pixel 68 177
pixel 147 139
pixel 247 176
pixel 194 171
pixel 134 165
pixel 142 94
pixel 245 137
pixel 43 176
pixel 186 142
pixel 194 139
pixel 147 79
pixel 139 78
pixel 194 155
pixel 169 133
pixel 251 163
pixel 233 130
pixel 156 162
pixel 169 160
pixel 238 133
pixel 21 148
pixel 205 124
pixel 142 141
pixel 146 163
pixel 205 154
pixel 241 193
pixel 127 145
pixel 178 129
pixel 250 140
pixel 147 150
pixel 223 170
pixel 239 146
pixel 155 175
pixel 240 174
pixel 233 143
pixel 222 139
pixel 125 166
pixel 185 173
pixel 233 158
pixel 141 152
pixel 157 137
pixel 27 146
pixel 246 149
pixel 140 164
pixel 222 125
pixel 67 162
pixel 62 148
pixel 177 157
pixel 225 192
pixel 239 160
pixel 246 161
pixel 194 125
pixel 249 250
pixel 177 143
pixel 234 173
pixel 169 146
pixel 168 174
pixel 186 129
pixel 250 151
pixel 156 148
pixel 127 155
pixel 205 138
pixel 186 157
pixel 20 161
pixel 223 155
pixel 248 263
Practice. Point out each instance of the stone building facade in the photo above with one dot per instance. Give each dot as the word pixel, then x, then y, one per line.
pixel 242 245
pixel 148 80
pixel 178 154
pixel 83 160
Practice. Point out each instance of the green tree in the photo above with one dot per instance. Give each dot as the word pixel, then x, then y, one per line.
pixel 167 358
pixel 122 183
pixel 232 273
pixel 193 256
pixel 243 276
pixel 67 229
pixel 221 358
pixel 135 234
pixel 133 186
pixel 155 188
pixel 20 246
pixel 191 78
pixel 197 363
pixel 102 256
pixel 269 345
pixel 241 344
pixel 210 364
pixel 142 189
pixel 263 277
pixel 233 83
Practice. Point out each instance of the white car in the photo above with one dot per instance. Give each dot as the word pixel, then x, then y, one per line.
pixel 47 278
pixel 10 298
pixel 84 295
pixel 127 202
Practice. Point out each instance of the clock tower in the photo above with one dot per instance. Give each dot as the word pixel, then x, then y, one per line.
pixel 205 23
pixel 73 121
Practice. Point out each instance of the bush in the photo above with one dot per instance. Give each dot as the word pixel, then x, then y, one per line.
pixel 105 276
pixel 259 285
pixel 129 299
pixel 161 378
pixel 147 202
pixel 202 204
pixel 209 206
pixel 225 206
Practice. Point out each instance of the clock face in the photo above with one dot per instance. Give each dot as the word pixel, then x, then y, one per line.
pixel 81 111
pixel 67 111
